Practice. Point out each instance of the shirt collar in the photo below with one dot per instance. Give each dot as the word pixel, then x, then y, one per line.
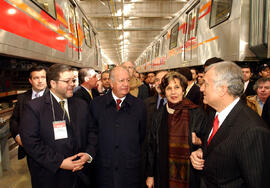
pixel 225 112
pixel 85 88
pixel 58 99
pixel 115 98
pixel 39 93
pixel 245 85
pixel 158 100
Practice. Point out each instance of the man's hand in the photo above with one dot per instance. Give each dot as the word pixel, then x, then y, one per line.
pixel 150 182
pixel 196 158
pixel 70 163
pixel 196 140
pixel 83 158
pixel 18 140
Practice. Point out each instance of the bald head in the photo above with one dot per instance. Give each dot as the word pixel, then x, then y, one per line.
pixel 130 67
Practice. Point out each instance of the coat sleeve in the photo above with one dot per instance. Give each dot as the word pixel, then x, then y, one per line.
pixel 198 122
pixel 142 125
pixel 92 134
pixel 151 148
pixel 14 120
pixel 253 157
pixel 32 141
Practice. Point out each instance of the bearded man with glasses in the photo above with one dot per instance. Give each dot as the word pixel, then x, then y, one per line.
pixel 57 136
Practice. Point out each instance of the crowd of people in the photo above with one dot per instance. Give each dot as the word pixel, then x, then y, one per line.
pixel 182 128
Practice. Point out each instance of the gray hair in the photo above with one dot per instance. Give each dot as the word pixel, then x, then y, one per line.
pixel 231 75
pixel 112 72
pixel 84 72
pixel 260 81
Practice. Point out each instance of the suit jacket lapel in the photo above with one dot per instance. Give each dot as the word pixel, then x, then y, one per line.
pixel 226 127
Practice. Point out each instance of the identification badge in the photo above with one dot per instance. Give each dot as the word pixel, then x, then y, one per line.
pixel 60 129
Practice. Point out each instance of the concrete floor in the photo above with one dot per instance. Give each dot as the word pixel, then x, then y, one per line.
pixel 18 176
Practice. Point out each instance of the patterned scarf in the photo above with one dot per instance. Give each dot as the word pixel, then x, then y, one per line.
pixel 179 149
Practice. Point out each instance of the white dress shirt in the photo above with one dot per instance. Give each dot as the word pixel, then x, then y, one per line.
pixel 224 113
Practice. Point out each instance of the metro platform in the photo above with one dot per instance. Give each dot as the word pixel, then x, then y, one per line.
pixel 18 174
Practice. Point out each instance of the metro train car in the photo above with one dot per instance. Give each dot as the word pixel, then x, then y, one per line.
pixel 235 30
pixel 53 31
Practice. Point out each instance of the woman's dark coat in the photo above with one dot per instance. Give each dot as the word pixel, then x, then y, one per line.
pixel 157 150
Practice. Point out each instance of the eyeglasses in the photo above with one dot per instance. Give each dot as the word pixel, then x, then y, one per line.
pixel 71 81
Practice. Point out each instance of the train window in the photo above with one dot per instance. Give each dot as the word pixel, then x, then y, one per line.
pixel 163 44
pixel 157 49
pixel 220 11
pixel 86 31
pixel 174 36
pixel 47 5
pixel 148 55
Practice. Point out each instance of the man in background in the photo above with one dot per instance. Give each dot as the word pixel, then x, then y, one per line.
pixel 262 88
pixel 37 79
pixel 88 82
pixel 264 70
pixel 248 83
pixel 105 80
pixel 137 88
pixel 151 77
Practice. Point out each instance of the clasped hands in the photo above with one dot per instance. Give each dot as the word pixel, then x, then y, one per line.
pixel 75 162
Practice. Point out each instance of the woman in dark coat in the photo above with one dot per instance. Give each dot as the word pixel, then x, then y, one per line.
pixel 170 138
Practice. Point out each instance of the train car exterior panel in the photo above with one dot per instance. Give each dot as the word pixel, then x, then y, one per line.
pixel 205 29
pixel 57 36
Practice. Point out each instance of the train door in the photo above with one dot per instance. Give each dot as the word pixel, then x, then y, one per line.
pixel 190 50
pixel 259 20
pixel 73 31
pixel 95 50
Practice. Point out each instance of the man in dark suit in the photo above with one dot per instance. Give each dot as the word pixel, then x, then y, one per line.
pixel 151 77
pixel 248 83
pixel 152 105
pixel 37 78
pixel 155 102
pixel 236 149
pixel 88 82
pixel 56 134
pixel 105 80
pixel 121 134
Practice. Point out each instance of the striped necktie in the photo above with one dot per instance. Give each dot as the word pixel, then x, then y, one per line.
pixel 62 104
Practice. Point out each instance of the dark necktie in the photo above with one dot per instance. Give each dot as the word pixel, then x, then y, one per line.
pixel 118 101
pixel 62 104
pixel 161 103
pixel 215 128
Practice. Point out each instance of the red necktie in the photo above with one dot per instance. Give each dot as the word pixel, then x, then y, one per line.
pixel 215 128
pixel 118 101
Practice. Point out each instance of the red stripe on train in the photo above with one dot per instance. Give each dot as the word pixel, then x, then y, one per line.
pixel 27 27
